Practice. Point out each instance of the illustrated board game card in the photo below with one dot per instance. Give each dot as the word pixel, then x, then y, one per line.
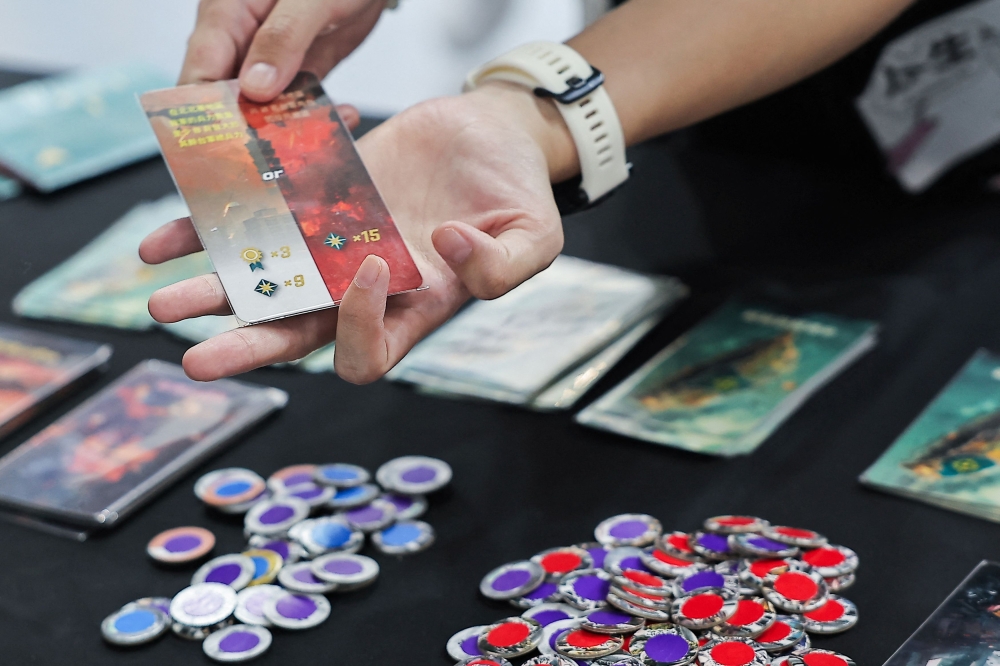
pixel 278 195
pixel 724 386
pixel 127 443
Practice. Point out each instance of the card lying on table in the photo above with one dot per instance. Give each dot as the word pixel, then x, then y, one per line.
pixel 727 384
pixel 124 445
pixel 35 368
pixel 278 194
pixel 950 455
pixel 965 628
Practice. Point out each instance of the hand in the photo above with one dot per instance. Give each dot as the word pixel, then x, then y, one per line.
pixel 468 181
pixel 266 42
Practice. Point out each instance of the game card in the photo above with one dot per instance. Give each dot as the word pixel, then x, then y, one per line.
pixel 128 442
pixel 278 195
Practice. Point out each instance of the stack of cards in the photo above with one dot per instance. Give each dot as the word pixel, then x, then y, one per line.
pixel 127 443
pixel 57 131
pixel 950 455
pixel 547 341
pixel 726 385
pixel 965 628
pixel 36 369
pixel 106 282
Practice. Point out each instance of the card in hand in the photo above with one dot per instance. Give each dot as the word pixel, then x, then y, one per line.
pixel 278 195
pixel 128 442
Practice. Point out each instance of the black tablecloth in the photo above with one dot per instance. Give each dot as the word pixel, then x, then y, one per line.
pixel 824 234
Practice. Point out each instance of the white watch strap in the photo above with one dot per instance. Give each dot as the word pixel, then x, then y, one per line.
pixel 592 120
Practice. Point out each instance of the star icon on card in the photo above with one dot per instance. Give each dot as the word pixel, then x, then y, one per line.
pixel 335 241
pixel 266 288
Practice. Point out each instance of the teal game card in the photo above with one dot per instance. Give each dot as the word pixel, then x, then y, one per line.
pixel 950 455
pixel 724 386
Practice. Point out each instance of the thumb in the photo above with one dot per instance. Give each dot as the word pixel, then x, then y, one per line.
pixel 490 267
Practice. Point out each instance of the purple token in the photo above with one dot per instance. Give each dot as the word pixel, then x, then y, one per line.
pixel 296 611
pixel 310 492
pixel 586 589
pixel 275 516
pixel 543 594
pixel 465 643
pixel 705 581
pixel 237 643
pixel 372 517
pixel 348 571
pixel 512 580
pixel 546 614
pixel 712 546
pixel 233 570
pixel 629 529
pixel 611 621
pixel 414 475
pixel 755 545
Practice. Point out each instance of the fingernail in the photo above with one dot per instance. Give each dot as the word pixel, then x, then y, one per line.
pixel 370 269
pixel 453 246
pixel 260 77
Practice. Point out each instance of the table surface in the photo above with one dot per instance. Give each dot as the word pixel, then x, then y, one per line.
pixel 812 234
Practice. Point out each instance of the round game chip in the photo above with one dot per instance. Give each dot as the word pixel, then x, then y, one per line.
pixel 328 534
pixel 597 552
pixel 295 610
pixel 586 589
pixel 735 524
pixel 753 572
pixel 753 617
pixel 611 621
pixel 664 645
pixel 290 551
pixel 515 579
pixel 831 561
pixel 309 492
pixel 620 559
pixel 546 593
pixel 815 657
pixel 341 475
pixel 642 581
pixel 546 614
pixel 275 516
pixel 372 517
pixel 181 544
pixel 348 498
pixel 290 476
pixel 405 537
pixel 484 661
pixel 250 604
pixel 628 529
pixel 550 633
pixel 756 545
pixel 267 564
pixel 512 637
pixel 666 564
pixel 160 603
pixel 706 581
pixel 615 600
pixel 617 660
pixel 233 570
pixel 203 605
pixel 408 507
pixel 465 644
pixel 655 601
pixel 840 583
pixel 414 475
pixel 678 544
pixel 836 615
pixel 580 643
pixel 795 591
pixel 782 635
pixel 240 509
pixel 712 546
pixel 348 571
pixel 704 610
pixel 795 536
pixel 237 643
pixel 734 652
pixel 299 577
pixel 229 487
pixel 134 624
pixel 557 562
pixel 550 660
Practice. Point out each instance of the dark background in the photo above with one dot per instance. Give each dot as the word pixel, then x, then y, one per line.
pixel 782 200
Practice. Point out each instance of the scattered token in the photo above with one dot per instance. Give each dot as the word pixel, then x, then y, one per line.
pixel 753 572
pixel 408 507
pixel 275 516
pixel 840 583
pixel 465 644
pixel 203 606
pixel 546 614
pixel 664 645
pixel 543 594
pixel 290 476
pixel 579 643
pixel 678 544
pixel 348 571
pixel 512 580
pixel 639 610
pixel 831 561
pixel 666 564
pixel 623 558
pixel 704 610
pixel 267 564
pixel 795 536
pixel 295 610
pixel 405 537
pixel 642 581
pixel 755 545
pixel 610 621
pixel 795 591
pixel 836 615
pixel 135 624
pixel 655 601
pixel 414 475
pixel 348 498
pixel 229 487
pixel 484 661
pixel 586 589
pixel 712 546
pixel 512 637
pixel 597 552
pixel 557 562
pixel 372 517
pixel 309 492
pixel 782 635
pixel 550 660
pixel 233 570
pixel 328 534
pixel 705 581
pixel 735 524
pixel 299 577
pixel 290 551
pixel 181 544
pixel 341 475
pixel 734 652
pixel 250 604
pixel 815 657
pixel 161 603
pixel 752 618
pixel 237 643
pixel 629 529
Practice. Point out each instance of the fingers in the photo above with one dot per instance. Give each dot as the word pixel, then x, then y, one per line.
pixel 350 115
pixel 221 34
pixel 194 297
pixel 490 267
pixel 172 240
pixel 255 346
pixel 362 353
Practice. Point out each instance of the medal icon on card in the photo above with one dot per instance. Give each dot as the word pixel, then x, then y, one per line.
pixel 266 288
pixel 253 257
pixel 335 241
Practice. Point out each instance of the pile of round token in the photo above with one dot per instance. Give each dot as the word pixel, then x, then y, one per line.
pixel 304 525
pixel 738 592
